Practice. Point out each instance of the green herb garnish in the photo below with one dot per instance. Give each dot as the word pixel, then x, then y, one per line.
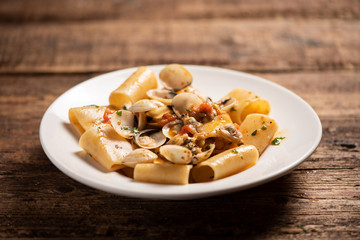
pixel 125 128
pixel 233 109
pixel 263 127
pixel 116 146
pixel 188 110
pixel 119 112
pixel 277 140
pixel 234 151
pixel 124 107
pixel 92 105
pixel 135 130
pixel 254 133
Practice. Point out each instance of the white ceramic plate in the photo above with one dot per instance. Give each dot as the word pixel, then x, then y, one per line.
pixel 300 124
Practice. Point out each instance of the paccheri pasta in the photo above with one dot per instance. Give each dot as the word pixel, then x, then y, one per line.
pixel 174 134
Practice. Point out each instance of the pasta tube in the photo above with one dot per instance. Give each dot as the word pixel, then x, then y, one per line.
pixel 258 130
pixel 82 118
pixel 247 103
pixel 225 164
pixel 134 88
pixel 164 173
pixel 105 146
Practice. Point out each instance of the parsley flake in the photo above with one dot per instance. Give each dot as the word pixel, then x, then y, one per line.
pixel 119 112
pixel 124 107
pixel 125 128
pixel 92 105
pixel 254 133
pixel 188 110
pixel 277 140
pixel 233 109
pixel 136 130
pixel 263 127
pixel 234 151
pixel 116 146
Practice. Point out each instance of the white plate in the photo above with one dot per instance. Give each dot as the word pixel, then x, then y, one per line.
pixel 299 122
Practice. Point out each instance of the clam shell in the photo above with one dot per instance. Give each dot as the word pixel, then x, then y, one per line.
pixel 227 103
pixel 150 138
pixel 162 95
pixel 176 154
pixel 182 102
pixel 175 77
pixel 172 128
pixel 123 123
pixel 139 155
pixel 203 155
pixel 145 105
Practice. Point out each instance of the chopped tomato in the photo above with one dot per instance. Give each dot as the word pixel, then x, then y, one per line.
pixel 166 118
pixel 185 129
pixel 107 115
pixel 205 108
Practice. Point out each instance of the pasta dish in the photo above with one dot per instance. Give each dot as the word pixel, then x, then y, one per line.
pixel 163 130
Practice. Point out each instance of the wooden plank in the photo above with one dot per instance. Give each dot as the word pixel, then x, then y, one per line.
pixel 249 45
pixel 70 10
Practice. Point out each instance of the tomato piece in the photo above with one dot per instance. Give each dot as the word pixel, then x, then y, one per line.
pixel 107 115
pixel 205 108
pixel 185 129
pixel 166 118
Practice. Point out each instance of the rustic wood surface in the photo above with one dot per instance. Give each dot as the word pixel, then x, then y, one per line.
pixel 311 47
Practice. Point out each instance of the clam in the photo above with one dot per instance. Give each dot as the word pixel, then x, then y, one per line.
pixel 145 105
pixel 123 123
pixel 139 155
pixel 227 103
pixel 162 95
pixel 203 155
pixel 150 138
pixel 172 128
pixel 176 154
pixel 230 133
pixel 183 102
pixel 191 89
pixel 141 117
pixel 175 77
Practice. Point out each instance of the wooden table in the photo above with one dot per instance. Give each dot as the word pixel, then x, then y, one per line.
pixel 311 47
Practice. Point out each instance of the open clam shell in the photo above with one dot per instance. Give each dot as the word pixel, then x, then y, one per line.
pixel 150 138
pixel 172 128
pixel 123 123
pixel 204 155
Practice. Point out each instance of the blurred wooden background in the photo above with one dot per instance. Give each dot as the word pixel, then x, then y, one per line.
pixel 311 47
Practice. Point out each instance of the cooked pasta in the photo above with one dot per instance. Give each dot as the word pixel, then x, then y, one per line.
pixel 174 134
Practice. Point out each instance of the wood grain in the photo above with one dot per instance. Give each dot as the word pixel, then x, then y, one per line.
pixel 77 10
pixel 320 199
pixel 249 45
pixel 311 47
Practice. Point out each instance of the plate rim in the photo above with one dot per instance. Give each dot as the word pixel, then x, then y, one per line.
pixel 182 195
